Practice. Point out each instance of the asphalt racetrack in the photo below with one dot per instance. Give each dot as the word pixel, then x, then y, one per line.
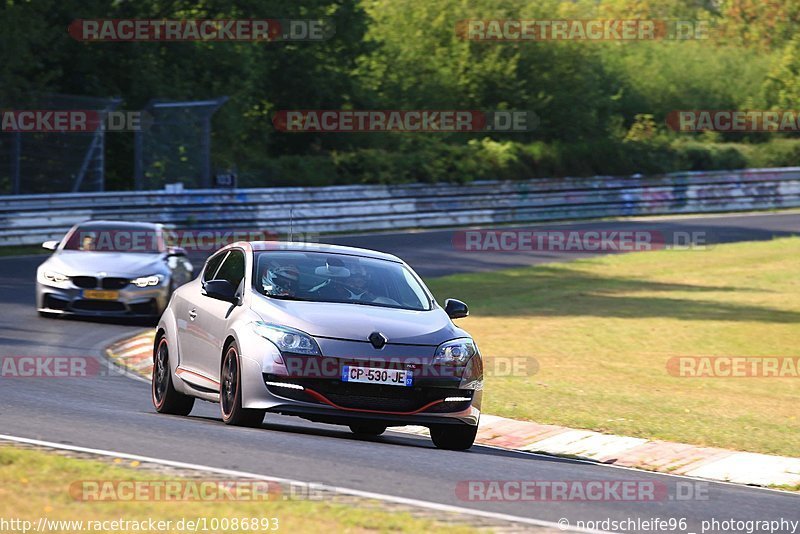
pixel 114 412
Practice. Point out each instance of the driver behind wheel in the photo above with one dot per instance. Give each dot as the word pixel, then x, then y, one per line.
pixel 343 283
pixel 282 280
pixel 357 284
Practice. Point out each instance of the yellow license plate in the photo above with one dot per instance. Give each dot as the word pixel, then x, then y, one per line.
pixel 98 294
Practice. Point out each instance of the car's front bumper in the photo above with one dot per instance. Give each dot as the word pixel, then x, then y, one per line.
pixel 329 400
pixel 317 392
pixel 131 302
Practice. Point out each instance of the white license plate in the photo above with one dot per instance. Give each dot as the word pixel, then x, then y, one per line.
pixel 371 375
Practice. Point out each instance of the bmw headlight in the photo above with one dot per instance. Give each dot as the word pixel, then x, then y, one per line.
pixel 287 339
pixel 145 281
pixel 455 352
pixel 56 278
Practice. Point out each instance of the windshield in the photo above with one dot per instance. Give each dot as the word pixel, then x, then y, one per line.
pixel 111 238
pixel 323 277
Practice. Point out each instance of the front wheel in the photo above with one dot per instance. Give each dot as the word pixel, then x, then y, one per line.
pixel 454 438
pixel 166 398
pixel 230 393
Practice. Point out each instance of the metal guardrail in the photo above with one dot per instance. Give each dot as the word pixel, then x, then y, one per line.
pixel 31 219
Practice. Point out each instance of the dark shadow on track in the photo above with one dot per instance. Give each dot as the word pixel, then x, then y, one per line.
pixel 122 321
pixel 391 438
pixel 435 252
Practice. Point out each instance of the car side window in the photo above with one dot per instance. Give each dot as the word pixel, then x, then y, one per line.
pixel 212 265
pixel 232 268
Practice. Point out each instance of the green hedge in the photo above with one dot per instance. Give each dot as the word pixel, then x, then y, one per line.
pixel 438 161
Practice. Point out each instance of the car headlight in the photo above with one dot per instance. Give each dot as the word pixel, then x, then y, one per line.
pixel 145 281
pixel 57 278
pixel 287 339
pixel 455 352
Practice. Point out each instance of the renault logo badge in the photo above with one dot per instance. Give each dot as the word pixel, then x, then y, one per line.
pixel 378 340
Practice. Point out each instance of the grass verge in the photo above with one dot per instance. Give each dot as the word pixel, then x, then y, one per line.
pixel 603 329
pixel 35 484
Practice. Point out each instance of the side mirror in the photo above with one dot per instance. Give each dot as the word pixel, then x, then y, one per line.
pixel 50 245
pixel 176 251
pixel 455 309
pixel 220 290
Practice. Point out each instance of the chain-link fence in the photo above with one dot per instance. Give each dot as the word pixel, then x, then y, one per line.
pixel 54 161
pixel 174 144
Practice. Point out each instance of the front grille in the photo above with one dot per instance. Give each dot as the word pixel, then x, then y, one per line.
pixel 114 283
pixel 371 396
pixel 85 282
pixel 98 305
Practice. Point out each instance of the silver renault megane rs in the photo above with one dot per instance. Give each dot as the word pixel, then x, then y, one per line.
pixel 331 334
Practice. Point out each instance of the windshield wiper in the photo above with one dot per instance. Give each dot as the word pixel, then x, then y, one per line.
pixel 288 297
pixel 375 304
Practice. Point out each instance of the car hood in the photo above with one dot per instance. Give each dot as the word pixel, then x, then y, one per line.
pixel 124 264
pixel 355 322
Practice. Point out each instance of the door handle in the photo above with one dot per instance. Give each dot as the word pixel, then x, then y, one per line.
pixel 193 314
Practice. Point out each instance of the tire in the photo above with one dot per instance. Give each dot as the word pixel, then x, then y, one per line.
pixel 454 438
pixel 368 429
pixel 166 398
pixel 230 393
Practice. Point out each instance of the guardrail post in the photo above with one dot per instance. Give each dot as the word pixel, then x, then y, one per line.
pixel 205 149
pixel 16 156
pixel 138 165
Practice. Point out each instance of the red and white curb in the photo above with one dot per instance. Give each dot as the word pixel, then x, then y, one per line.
pixel 135 354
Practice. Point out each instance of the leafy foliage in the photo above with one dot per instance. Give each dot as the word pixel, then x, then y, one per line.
pixel 601 105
